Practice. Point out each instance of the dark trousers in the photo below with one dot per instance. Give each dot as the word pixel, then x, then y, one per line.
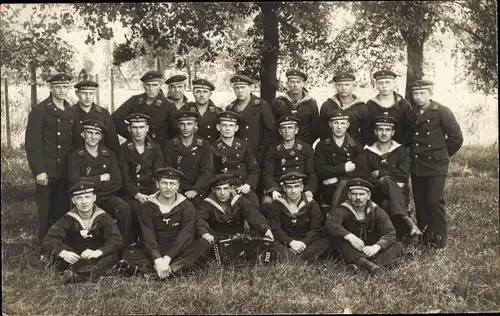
pixel 52 203
pixel 119 210
pixel 88 269
pixel 340 194
pixel 253 198
pixel 198 250
pixel 136 208
pixel 383 258
pixel 428 193
pixel 312 252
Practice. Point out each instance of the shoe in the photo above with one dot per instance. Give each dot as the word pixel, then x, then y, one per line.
pixel 67 277
pixel 371 267
pixel 352 268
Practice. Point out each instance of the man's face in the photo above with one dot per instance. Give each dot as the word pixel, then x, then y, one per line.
pixel 84 203
pixel 86 97
pixel 288 131
pixel 202 95
pixel 176 90
pixel 152 88
pixel 295 85
pixel 92 137
pixel 359 197
pixel 293 191
pixel 385 86
pixel 187 127
pixel 422 97
pixel 242 91
pixel 339 127
pixel 344 88
pixel 138 130
pixel 227 129
pixel 167 187
pixel 59 90
pixel 384 133
pixel 223 192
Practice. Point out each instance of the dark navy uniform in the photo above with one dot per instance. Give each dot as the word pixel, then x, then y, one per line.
pixel 48 142
pixel 96 112
pixel 257 125
pixel 172 128
pixel 84 166
pixel 207 121
pixel 433 136
pixel 195 161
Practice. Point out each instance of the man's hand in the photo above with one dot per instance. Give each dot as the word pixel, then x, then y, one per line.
pixel 244 189
pixel 208 238
pixel 191 194
pixel 105 177
pixel 269 234
pixel 69 256
pixel 141 198
pixel 350 166
pixel 375 174
pixel 371 251
pixel 309 195
pixel 162 267
pixel 355 241
pixel 275 195
pixel 297 246
pixel 89 254
pixel 330 181
pixel 42 179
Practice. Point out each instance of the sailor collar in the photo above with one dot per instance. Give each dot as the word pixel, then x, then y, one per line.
pixel 397 98
pixel 217 204
pixel 336 100
pixel 74 213
pixel 374 148
pixel 301 207
pixel 179 198
pixel 369 207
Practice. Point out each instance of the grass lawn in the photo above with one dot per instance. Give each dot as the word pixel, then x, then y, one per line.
pixel 463 277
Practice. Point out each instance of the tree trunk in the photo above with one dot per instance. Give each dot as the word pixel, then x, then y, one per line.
pixel 415 67
pixel 269 65
pixel 33 84
pixel 190 77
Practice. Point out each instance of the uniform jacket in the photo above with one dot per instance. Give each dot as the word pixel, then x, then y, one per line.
pixel 395 163
pixel 159 111
pixel 167 233
pixel 257 125
pixel 433 137
pixel 195 161
pixel 137 169
pixel 330 159
pixel 237 159
pixel 376 228
pixel 398 110
pixel 172 128
pixel 96 112
pixel 357 112
pixel 207 122
pixel 306 225
pixel 279 160
pixel 212 219
pixel 49 138
pixel 306 110
pixel 69 233
pixel 84 166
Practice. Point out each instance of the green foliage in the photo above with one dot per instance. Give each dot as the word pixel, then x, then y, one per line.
pixel 36 39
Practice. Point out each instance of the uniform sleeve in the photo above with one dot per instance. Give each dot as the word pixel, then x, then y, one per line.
pixel 385 229
pixel 253 170
pixel 74 172
pixel 168 150
pixel 275 222
pixel 202 217
pixel 128 185
pixel 452 129
pixel 324 127
pixel 406 106
pixel 315 127
pixel 115 182
pixel 254 217
pixel 311 177
pixel 206 169
pixel 186 234
pixel 159 160
pixel 409 121
pixel 316 224
pixel 268 173
pixel 324 168
pixel 34 140
pixel 356 123
pixel 112 141
pixel 119 116
pixel 113 240
pixel 146 219
pixel 334 222
pixel 53 242
pixel 361 164
pixel 269 128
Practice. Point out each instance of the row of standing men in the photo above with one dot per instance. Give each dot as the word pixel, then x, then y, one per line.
pixel 55 129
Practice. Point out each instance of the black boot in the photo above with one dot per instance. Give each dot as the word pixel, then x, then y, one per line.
pixel 369 266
